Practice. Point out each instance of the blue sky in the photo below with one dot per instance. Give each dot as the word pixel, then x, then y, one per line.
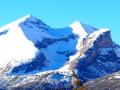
pixel 61 13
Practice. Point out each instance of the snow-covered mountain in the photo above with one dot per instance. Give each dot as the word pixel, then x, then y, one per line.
pixel 34 55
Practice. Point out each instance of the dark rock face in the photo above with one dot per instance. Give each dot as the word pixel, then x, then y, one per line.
pixel 95 64
pixel 35 22
pixel 36 64
pixel 109 82
pixel 4 32
pixel 49 41
pixel 104 40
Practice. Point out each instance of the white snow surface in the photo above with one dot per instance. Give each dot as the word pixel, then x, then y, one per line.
pixel 117 76
pixel 78 29
pixel 14 46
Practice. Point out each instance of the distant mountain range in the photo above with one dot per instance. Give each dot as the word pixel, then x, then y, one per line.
pixel 35 56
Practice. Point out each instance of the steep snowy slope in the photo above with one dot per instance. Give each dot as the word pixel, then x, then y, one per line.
pixel 30 45
pixel 34 55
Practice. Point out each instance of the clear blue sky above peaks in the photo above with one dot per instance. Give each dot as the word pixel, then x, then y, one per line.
pixel 61 13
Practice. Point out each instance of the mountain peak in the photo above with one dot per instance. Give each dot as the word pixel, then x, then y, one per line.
pixel 78 29
pixel 82 29
pixel 27 17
